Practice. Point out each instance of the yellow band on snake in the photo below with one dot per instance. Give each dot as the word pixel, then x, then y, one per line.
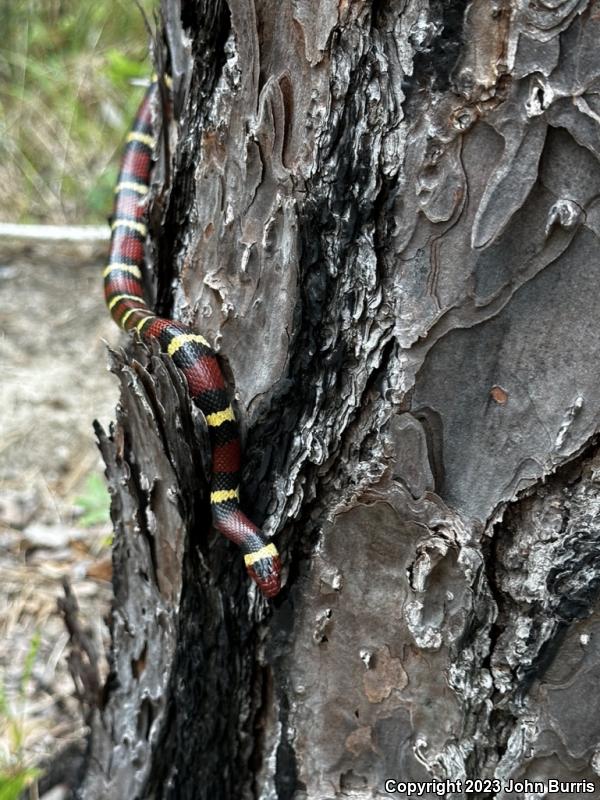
pixel 264 552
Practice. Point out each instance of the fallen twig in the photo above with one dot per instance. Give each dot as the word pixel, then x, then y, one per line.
pixel 55 233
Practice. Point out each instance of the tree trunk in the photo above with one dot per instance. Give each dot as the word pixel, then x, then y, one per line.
pixel 384 215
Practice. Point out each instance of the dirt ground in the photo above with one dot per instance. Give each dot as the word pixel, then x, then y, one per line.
pixel 53 383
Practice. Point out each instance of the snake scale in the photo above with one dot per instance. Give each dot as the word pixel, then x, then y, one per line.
pixel 190 351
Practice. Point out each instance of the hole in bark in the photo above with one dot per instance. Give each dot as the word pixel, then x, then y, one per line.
pixel 145 718
pixel 138 665
pixel 540 95
pixel 162 621
pixel 287 93
pixel 350 780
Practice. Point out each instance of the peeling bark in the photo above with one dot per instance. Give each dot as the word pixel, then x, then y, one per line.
pixel 385 216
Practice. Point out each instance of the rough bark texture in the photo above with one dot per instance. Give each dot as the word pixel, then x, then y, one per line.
pixel 386 215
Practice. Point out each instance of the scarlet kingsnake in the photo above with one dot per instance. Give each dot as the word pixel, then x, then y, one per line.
pixel 190 352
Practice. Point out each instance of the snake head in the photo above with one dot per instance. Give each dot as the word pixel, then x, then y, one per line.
pixel 264 567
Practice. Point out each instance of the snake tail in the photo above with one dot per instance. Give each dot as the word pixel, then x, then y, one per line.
pixel 190 351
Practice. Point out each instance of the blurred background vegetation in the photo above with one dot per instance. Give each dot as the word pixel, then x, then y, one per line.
pixel 68 93
pixel 72 74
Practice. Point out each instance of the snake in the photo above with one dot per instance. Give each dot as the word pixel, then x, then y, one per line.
pixel 190 351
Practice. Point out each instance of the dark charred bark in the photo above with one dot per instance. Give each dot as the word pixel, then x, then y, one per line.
pixel 385 215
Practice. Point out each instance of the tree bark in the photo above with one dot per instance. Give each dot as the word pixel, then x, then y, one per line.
pixel 385 216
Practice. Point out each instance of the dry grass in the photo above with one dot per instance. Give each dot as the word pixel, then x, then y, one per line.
pixel 54 384
pixel 67 97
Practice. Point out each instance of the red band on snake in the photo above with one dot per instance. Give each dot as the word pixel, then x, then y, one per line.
pixel 190 352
